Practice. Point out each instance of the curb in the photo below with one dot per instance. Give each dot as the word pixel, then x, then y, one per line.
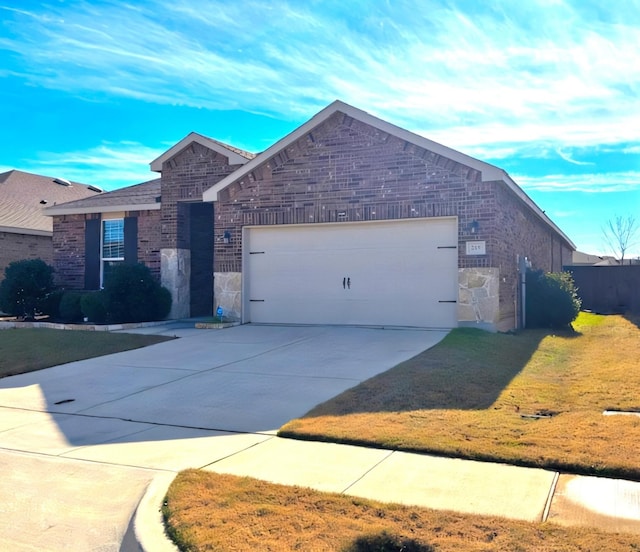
pixel 146 529
pixel 86 327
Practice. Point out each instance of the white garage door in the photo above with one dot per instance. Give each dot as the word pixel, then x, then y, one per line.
pixel 391 273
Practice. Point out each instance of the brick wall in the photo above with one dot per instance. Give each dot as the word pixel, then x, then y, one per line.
pixel 518 231
pixel 184 177
pixel 68 246
pixel 345 170
pixel 17 247
pixel 149 240
pixel 68 250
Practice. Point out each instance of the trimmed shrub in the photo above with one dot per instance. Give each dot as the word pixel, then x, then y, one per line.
pixel 132 294
pixel 384 542
pixel 51 303
pixel 25 287
pixel 92 305
pixel 552 299
pixel 70 311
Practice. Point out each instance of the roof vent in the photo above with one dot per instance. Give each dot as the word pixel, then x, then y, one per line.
pixel 62 181
pixel 43 202
pixel 95 189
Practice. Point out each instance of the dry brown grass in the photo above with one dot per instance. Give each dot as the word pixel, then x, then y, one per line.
pixel 207 511
pixel 470 397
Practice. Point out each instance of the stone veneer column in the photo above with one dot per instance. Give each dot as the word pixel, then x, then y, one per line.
pixel 175 269
pixel 478 298
pixel 227 293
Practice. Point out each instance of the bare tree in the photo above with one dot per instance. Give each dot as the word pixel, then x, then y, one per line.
pixel 619 233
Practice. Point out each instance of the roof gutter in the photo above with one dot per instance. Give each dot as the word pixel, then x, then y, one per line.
pixel 25 231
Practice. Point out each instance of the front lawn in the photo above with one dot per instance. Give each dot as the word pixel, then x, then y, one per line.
pixel 207 511
pixel 28 349
pixel 535 398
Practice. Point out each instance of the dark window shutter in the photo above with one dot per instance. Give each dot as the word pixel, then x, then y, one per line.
pixel 131 240
pixel 92 254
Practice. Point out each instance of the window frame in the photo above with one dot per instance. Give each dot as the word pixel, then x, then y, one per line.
pixel 120 244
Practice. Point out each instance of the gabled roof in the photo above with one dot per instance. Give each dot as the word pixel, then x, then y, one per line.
pixel 489 172
pixel 236 156
pixel 24 196
pixel 139 197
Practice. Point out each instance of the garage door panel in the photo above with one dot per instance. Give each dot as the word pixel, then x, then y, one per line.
pixel 398 273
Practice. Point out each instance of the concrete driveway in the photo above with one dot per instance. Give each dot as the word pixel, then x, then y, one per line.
pixel 79 443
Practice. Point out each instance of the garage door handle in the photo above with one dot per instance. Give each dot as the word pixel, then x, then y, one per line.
pixel 349 283
pixel 344 283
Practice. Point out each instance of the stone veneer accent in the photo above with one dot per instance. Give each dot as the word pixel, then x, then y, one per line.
pixel 478 297
pixel 175 275
pixel 227 293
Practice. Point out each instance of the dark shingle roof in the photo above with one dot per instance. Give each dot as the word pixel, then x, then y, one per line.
pixel 22 195
pixel 145 193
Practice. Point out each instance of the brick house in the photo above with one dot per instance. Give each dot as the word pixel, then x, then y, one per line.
pixel 347 220
pixel 25 231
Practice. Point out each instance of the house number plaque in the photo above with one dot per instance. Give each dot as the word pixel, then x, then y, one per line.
pixel 476 248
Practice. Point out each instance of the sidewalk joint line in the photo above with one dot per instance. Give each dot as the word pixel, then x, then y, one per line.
pixel 238 451
pixel 552 492
pixel 367 472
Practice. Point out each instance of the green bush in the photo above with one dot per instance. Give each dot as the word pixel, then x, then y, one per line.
pixel 132 294
pixel 51 303
pixel 384 542
pixel 69 310
pixel 551 300
pixel 92 305
pixel 25 287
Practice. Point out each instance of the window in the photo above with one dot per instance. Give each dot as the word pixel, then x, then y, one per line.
pixel 112 246
pixel 108 240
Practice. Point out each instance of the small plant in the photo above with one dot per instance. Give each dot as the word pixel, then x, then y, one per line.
pixel 25 287
pixel 132 294
pixel 552 299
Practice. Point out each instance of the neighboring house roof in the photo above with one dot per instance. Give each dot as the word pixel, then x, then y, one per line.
pixel 236 156
pixel 489 172
pixel 24 196
pixel 139 197
pixel 582 258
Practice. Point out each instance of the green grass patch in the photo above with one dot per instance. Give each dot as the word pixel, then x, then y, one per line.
pixel 28 349
pixel 535 398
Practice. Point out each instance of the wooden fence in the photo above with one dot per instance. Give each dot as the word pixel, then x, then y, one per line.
pixel 608 289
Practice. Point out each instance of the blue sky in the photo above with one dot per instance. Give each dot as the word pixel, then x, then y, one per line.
pixel 548 90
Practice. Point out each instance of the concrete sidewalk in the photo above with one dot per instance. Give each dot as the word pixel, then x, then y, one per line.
pixel 464 486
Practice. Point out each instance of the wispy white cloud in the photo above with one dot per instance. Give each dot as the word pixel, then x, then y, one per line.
pixel 569 159
pixel 108 165
pixel 528 79
pixel 432 65
pixel 625 181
